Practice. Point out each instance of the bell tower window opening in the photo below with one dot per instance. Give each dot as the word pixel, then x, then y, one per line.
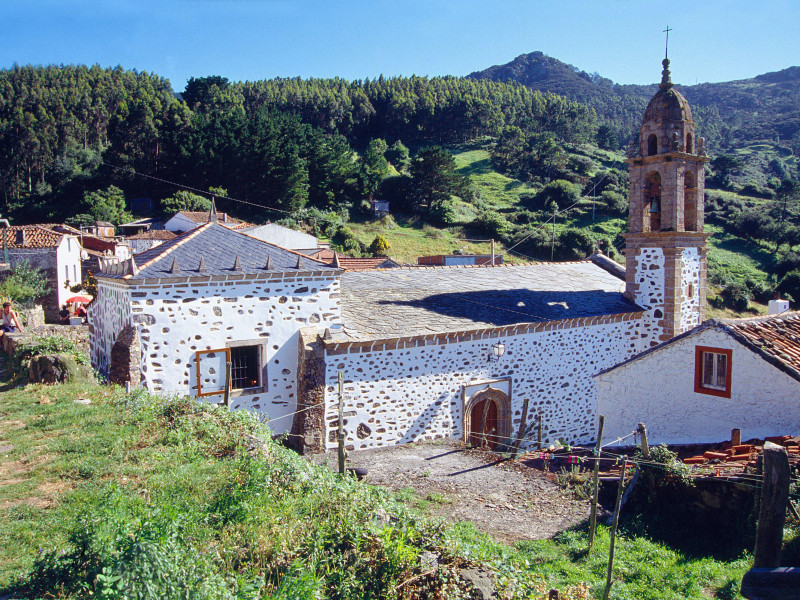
pixel 652 194
pixel 689 202
pixel 689 147
pixel 652 145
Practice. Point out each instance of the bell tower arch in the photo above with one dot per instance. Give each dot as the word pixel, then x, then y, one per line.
pixel 665 247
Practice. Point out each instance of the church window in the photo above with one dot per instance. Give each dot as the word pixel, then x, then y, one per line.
pixel 689 143
pixel 713 371
pixel 652 145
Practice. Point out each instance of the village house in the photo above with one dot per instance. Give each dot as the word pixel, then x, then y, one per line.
pixel 722 375
pixel 186 220
pixel 56 253
pixel 423 352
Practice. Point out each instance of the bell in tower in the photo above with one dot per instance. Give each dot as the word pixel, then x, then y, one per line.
pixel 665 245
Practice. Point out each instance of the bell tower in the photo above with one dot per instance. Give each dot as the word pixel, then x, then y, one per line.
pixel 665 247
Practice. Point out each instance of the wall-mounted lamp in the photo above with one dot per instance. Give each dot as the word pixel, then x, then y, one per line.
pixel 498 350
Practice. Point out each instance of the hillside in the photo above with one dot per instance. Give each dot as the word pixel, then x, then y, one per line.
pixel 729 114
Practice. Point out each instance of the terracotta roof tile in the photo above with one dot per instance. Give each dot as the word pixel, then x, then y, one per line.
pixel 30 236
pixel 776 337
pixel 153 234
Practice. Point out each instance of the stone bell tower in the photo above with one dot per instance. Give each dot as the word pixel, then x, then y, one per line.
pixel 665 246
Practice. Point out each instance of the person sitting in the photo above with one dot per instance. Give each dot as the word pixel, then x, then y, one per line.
pixel 80 311
pixel 63 315
pixel 8 319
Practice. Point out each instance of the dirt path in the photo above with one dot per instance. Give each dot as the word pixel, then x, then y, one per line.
pixel 507 500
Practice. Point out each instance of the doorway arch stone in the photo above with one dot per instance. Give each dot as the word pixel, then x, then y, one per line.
pixel 492 407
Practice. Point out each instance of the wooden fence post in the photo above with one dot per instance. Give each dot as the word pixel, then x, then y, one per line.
pixel 521 431
pixel 540 432
pixel 596 481
pixel 772 512
pixel 614 527
pixel 340 437
pixel 226 398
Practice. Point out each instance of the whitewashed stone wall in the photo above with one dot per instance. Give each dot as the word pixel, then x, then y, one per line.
pixel 690 289
pixel 179 318
pixel 650 277
pixel 138 246
pixel 108 315
pixel 658 390
pixel 415 393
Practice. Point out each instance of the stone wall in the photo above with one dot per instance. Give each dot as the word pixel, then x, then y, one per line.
pixel 400 393
pixel 658 390
pixel 126 358
pixel 178 317
pixel 308 429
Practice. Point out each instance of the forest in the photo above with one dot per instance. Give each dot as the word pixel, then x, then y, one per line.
pixel 458 158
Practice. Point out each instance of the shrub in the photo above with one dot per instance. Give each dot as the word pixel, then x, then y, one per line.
pixel 379 246
pixel 37 346
pixel 575 244
pixel 615 202
pixel 790 285
pixel 25 285
pixel 736 296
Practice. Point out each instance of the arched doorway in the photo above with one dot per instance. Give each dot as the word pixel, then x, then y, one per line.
pixel 487 418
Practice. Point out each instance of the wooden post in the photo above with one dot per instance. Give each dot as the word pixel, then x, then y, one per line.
pixel 596 481
pixel 226 398
pixel 772 513
pixel 521 431
pixel 553 245
pixel 340 437
pixel 539 435
pixel 645 448
pixel 492 252
pixel 614 528
pixel 736 437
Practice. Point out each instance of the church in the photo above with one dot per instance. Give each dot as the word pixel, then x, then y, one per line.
pixel 474 352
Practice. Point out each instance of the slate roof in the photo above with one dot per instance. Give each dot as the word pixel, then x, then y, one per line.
pixel 421 300
pixel 219 247
pixel 775 338
pixel 34 236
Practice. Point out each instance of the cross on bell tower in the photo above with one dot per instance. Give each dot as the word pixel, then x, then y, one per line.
pixel 665 245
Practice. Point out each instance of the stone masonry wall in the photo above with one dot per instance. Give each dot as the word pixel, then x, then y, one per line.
pixel 178 318
pixel 109 314
pixel 414 392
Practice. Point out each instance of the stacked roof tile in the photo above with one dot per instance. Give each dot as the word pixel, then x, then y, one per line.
pixel 776 338
pixel 29 236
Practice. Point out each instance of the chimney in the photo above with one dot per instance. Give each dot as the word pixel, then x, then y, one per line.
pixel 20 237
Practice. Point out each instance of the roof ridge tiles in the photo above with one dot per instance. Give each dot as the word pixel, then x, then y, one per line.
pixel 174 243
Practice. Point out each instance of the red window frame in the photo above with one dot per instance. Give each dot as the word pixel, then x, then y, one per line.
pixel 699 388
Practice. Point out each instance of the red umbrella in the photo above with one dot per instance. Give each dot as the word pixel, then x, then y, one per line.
pixel 82 299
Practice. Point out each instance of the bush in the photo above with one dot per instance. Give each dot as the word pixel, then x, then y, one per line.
pixel 575 244
pixel 379 246
pixel 736 296
pixel 790 285
pixel 25 285
pixel 615 202
pixel 37 346
pixel 560 193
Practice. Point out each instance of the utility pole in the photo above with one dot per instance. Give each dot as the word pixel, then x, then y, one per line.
pixel 596 481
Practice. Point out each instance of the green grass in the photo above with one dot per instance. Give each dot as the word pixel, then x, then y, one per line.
pixel 95 495
pixel 496 189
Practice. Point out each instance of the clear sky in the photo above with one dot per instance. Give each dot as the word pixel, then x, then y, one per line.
pixel 712 40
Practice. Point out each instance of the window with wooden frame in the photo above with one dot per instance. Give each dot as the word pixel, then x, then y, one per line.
pixel 247 369
pixel 712 371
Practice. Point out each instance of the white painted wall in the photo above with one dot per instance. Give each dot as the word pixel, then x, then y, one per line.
pixel 108 315
pixel 658 390
pixel 411 394
pixel 68 257
pixel 177 319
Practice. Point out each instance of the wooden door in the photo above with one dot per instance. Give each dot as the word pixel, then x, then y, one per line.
pixel 490 430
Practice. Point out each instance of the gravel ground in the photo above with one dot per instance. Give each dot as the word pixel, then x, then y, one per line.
pixel 505 499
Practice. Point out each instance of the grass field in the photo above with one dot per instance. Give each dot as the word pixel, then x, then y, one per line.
pixel 109 495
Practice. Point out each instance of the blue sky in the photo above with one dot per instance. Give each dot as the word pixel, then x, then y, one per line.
pixel 711 40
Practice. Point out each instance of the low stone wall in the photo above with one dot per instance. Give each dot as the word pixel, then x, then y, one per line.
pixel 78 335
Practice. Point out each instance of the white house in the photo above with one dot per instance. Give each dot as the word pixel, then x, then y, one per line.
pixel 211 296
pixel 57 254
pixel 186 220
pixel 723 375
pixel 282 236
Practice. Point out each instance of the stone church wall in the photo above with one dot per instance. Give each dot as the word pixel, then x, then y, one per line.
pixel 690 288
pixel 177 319
pixel 413 390
pixel 109 314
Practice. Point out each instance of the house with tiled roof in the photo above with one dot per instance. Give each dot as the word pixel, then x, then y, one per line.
pixel 697 387
pixel 56 253
pixel 146 240
pixel 349 263
pixel 174 317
